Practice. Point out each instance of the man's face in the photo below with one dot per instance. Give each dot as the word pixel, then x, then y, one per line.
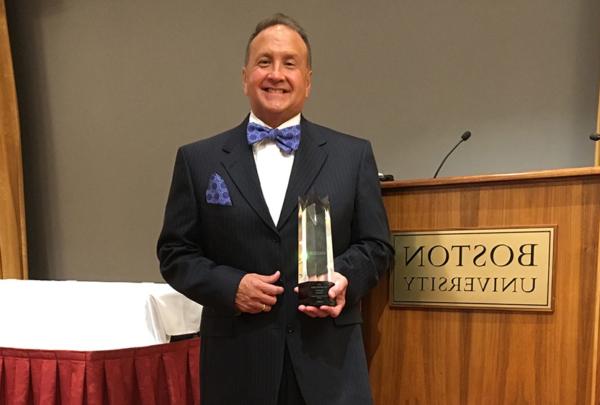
pixel 277 77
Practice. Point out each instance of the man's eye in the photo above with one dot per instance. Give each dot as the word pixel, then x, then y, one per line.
pixel 290 63
pixel 263 62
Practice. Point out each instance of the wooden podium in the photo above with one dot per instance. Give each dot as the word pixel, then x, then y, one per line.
pixel 458 356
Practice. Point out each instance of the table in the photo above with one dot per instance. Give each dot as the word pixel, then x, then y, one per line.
pixel 72 342
pixel 87 315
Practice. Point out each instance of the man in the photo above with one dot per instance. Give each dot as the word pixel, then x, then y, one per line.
pixel 230 240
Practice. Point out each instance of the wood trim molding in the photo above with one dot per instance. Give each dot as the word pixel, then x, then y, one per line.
pixel 493 178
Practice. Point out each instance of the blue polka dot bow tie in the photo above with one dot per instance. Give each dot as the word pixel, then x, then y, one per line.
pixel 287 139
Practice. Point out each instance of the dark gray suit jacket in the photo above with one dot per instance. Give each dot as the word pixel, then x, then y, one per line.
pixel 205 249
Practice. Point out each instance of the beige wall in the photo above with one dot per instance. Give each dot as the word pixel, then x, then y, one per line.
pixel 108 90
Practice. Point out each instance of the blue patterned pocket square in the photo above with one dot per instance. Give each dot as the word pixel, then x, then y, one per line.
pixel 217 192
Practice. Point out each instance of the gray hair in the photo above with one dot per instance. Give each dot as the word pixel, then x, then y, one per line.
pixel 279 19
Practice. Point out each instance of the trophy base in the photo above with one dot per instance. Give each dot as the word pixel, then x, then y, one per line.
pixel 315 293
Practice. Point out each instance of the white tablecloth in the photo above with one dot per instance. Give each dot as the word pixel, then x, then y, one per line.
pixel 84 315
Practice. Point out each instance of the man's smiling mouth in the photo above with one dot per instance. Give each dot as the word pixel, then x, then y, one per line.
pixel 276 91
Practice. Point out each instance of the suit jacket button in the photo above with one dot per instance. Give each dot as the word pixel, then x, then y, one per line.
pixel 290 329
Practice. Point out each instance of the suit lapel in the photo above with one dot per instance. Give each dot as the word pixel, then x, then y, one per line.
pixel 239 163
pixel 308 161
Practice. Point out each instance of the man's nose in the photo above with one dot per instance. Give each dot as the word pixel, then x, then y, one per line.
pixel 276 72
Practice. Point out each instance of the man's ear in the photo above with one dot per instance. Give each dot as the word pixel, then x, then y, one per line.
pixel 244 83
pixel 308 83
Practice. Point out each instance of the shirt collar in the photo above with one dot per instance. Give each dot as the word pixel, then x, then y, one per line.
pixel 289 123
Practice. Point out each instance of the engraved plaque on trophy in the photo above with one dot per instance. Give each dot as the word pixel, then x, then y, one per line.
pixel 315 251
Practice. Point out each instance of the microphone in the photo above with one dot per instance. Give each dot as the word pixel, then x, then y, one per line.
pixel 463 138
pixel 385 177
pixel 595 137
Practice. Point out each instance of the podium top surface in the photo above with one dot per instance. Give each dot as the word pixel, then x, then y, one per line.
pixel 492 178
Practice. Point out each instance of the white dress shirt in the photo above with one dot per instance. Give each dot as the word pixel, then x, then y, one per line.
pixel 274 168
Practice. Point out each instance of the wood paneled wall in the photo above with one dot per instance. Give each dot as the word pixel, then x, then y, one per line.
pixel 13 250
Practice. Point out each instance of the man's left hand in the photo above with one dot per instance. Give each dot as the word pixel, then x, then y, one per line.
pixel 336 292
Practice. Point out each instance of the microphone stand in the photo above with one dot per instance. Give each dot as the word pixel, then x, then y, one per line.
pixel 463 138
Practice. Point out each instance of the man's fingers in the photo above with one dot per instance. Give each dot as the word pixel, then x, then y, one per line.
pixel 266 299
pixel 259 282
pixel 337 292
pixel 257 293
pixel 271 278
pixel 271 289
pixel 340 285
pixel 265 283
pixel 310 311
pixel 313 312
pixel 333 312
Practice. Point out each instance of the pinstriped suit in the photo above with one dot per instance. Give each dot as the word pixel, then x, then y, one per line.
pixel 205 249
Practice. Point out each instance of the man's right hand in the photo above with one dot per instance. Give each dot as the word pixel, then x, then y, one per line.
pixel 257 293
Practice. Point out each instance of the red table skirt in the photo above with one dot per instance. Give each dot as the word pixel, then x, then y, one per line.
pixel 165 374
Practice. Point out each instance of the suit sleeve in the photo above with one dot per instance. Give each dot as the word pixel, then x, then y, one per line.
pixel 370 254
pixel 182 261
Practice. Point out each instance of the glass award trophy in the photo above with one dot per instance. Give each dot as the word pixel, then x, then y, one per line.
pixel 315 252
